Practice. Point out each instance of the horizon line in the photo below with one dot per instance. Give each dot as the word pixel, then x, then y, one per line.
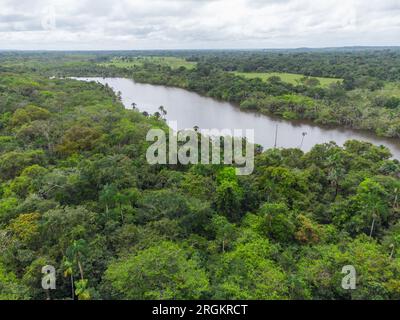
pixel 210 49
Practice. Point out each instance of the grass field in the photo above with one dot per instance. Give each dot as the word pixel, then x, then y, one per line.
pixel 286 77
pixel 172 62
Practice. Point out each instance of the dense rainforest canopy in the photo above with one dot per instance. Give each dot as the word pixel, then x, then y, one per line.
pixel 76 191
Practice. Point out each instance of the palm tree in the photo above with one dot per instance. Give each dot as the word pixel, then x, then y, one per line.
pixel 157 115
pixel 163 112
pixel 302 139
pixel 276 137
pixel 119 96
pixel 73 256
pixel 372 197
pixel 336 171
pixel 396 192
pixel 133 105
pixel 75 251
pixel 392 246
pixel 374 216
pixel 69 272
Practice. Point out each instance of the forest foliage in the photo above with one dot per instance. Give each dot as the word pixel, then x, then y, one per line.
pixel 76 192
pixel 357 89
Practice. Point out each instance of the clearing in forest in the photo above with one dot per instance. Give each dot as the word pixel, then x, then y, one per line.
pixel 172 62
pixel 287 77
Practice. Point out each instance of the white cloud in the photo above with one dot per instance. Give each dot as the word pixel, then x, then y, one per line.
pixel 165 24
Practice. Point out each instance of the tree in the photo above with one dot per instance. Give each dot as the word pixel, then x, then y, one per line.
pixel 157 115
pixel 336 171
pixel 25 227
pixel 32 277
pixel 311 82
pixel 163 112
pixel 279 184
pixel 12 163
pixel 229 194
pixel 278 224
pixel 371 198
pixel 163 271
pixel 307 232
pixel 69 272
pixel 248 273
pixel 229 198
pixel 321 267
pixel 74 254
pixel 78 139
pixel 10 286
pixel 225 232
pixel 63 225
pixel 28 182
pixel 108 196
pixel 28 114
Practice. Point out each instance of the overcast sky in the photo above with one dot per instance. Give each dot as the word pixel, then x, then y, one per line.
pixel 197 24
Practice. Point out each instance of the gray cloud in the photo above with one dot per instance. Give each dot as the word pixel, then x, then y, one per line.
pixel 158 24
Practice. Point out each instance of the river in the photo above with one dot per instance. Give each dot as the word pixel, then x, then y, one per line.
pixel 190 109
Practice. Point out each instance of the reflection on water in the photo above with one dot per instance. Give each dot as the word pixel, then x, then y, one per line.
pixel 190 109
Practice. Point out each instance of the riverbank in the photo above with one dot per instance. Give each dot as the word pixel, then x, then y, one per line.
pixel 190 109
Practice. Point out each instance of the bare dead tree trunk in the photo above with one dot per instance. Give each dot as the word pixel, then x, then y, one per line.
pixel 72 287
pixel 80 269
pixel 372 228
